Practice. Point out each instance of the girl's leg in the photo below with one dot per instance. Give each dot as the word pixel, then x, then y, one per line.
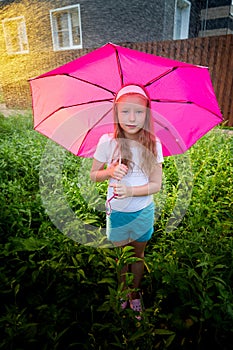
pixel 124 270
pixel 137 268
pixel 122 279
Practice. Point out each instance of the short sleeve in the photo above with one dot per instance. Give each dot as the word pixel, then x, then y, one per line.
pixel 103 149
pixel 160 158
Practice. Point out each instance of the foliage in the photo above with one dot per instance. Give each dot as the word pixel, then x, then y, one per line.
pixel 59 294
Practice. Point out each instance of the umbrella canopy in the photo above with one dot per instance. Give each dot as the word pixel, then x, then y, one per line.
pixel 72 104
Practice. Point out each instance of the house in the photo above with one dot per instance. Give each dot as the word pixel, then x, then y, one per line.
pixel 70 24
pixel 37 36
pixel 216 17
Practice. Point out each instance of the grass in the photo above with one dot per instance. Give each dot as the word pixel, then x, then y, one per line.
pixel 55 291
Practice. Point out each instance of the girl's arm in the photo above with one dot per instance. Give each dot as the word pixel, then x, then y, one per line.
pixel 99 173
pixel 153 186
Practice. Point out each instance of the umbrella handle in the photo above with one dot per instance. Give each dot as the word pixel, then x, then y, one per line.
pixel 119 164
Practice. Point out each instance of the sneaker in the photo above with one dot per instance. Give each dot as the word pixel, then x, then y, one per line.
pixel 135 305
pixel 124 304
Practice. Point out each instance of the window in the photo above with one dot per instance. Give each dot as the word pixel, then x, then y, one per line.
pixel 15 35
pixel 66 28
pixel 181 20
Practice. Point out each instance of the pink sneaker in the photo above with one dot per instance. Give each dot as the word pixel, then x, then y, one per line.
pixel 135 305
pixel 124 304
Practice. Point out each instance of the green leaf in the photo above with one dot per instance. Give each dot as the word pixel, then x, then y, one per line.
pixel 109 281
pixel 163 332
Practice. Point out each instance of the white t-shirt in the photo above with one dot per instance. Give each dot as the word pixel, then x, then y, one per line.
pixel 106 152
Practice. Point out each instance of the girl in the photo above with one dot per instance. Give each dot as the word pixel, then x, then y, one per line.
pixel 134 169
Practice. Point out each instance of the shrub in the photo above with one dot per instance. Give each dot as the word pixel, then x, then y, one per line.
pixel 55 291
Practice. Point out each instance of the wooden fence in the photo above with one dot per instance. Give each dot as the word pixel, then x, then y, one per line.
pixel 214 52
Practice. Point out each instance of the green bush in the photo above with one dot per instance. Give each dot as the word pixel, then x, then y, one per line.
pixel 59 294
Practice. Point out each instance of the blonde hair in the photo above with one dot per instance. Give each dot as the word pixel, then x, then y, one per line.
pixel 146 141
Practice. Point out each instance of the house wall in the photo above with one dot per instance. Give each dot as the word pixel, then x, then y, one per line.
pixel 122 20
pixel 215 3
pixel 194 25
pixel 216 18
pixel 214 52
pixel 17 69
pixel 101 21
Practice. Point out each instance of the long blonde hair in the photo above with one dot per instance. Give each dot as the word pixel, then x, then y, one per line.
pixel 146 140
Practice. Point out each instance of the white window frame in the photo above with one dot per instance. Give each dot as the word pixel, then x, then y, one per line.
pixel 21 34
pixel 181 19
pixel 55 40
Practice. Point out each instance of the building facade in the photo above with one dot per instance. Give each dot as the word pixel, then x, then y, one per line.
pixel 56 25
pixel 216 17
pixel 39 35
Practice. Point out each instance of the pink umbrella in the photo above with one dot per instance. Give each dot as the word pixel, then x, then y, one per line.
pixel 72 104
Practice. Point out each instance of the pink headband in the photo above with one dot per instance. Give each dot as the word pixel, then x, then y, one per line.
pixel 131 89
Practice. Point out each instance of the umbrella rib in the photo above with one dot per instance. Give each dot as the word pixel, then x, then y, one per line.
pixel 70 106
pixel 119 66
pixel 168 130
pixel 160 76
pixel 186 102
pixel 168 72
pixel 172 101
pixel 83 80
pixel 93 126
pixel 89 82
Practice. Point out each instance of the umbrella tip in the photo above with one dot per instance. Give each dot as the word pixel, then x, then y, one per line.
pixel 111 44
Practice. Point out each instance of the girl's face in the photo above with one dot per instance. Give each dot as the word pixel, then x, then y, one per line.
pixel 131 111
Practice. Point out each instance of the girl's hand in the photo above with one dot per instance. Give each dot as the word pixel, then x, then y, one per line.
pixel 118 171
pixel 121 191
